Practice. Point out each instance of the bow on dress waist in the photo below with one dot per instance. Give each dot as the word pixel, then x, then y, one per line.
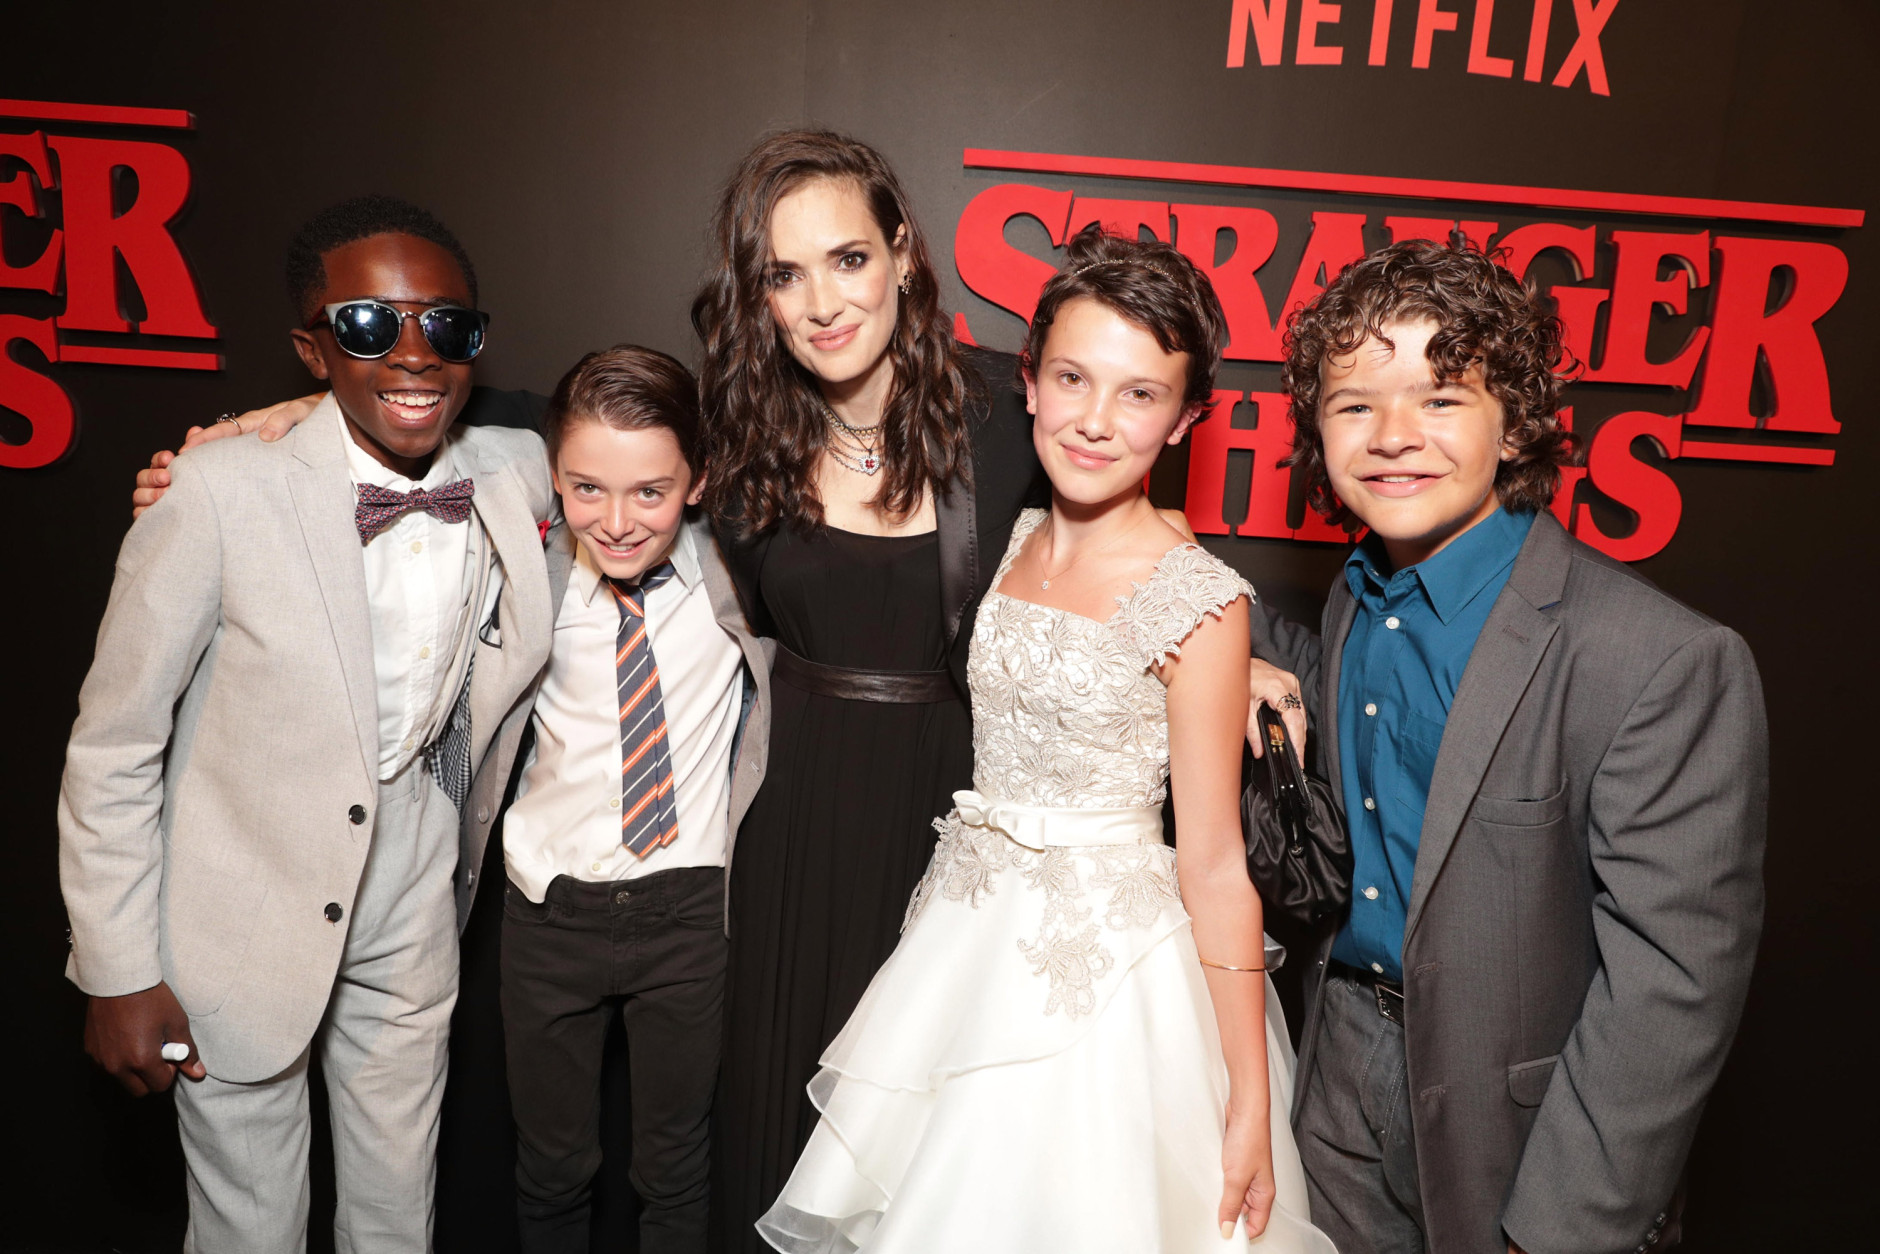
pixel 1037 827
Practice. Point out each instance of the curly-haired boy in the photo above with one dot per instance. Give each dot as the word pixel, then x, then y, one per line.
pixel 1555 777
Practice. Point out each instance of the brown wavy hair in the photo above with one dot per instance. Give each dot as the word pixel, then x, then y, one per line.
pixel 1484 317
pixel 1147 283
pixel 763 413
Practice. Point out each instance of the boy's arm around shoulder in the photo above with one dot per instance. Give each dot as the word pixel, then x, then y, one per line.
pixel 164 607
pixel 1675 830
pixel 1277 639
pixel 523 453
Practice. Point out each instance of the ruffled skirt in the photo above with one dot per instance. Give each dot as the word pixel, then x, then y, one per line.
pixel 1037 1067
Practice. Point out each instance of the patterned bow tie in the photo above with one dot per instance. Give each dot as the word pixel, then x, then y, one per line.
pixel 379 508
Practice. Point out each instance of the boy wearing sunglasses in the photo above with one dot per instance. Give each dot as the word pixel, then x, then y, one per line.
pixel 272 814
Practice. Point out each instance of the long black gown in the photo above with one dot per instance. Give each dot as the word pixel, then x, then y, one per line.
pixel 829 854
pixel 842 829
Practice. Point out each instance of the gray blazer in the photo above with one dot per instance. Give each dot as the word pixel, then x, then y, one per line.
pixel 749 751
pixel 1586 903
pixel 227 733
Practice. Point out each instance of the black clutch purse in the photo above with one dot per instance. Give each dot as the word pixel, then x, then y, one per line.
pixel 1298 851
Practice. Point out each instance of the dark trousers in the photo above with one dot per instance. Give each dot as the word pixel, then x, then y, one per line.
pixel 1354 1133
pixel 652 950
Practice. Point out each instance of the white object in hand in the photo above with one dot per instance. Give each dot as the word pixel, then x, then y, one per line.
pixel 175 1051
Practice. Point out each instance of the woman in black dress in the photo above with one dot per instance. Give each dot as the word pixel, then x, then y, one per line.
pixel 865 474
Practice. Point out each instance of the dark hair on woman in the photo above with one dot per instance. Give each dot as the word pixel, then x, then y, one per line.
pixel 764 417
pixel 350 221
pixel 1484 317
pixel 1149 284
pixel 628 388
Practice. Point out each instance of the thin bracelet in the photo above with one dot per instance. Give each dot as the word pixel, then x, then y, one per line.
pixel 1222 966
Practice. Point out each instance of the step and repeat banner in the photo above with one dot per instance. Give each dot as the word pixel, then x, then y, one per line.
pixel 1685 177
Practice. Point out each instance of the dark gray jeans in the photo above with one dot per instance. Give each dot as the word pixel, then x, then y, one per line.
pixel 1354 1131
pixel 653 951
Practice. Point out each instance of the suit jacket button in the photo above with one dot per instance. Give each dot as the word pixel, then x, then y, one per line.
pixel 333 913
pixel 357 814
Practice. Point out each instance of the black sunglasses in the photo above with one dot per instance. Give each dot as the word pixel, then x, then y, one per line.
pixel 370 328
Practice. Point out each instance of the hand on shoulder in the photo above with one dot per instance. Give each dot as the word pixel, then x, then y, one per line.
pixel 270 422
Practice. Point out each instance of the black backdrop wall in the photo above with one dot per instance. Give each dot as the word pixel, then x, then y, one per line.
pixel 576 147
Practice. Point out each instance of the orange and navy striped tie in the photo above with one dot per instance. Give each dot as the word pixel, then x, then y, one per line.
pixel 649 816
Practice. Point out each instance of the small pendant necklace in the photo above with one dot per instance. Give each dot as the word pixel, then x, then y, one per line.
pixel 857 448
pixel 1048 576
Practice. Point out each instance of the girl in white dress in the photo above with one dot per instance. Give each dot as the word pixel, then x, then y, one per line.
pixel 1074 1047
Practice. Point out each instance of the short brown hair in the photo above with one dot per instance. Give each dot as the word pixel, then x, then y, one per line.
pixel 1484 317
pixel 628 388
pixel 1146 283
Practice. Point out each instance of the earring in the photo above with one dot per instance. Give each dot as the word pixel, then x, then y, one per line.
pixel 907 283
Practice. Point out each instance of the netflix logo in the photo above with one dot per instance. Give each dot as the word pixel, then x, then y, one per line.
pixel 1722 319
pixel 87 218
pixel 1323 35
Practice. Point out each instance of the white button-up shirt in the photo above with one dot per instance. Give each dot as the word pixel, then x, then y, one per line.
pixel 418 586
pixel 566 817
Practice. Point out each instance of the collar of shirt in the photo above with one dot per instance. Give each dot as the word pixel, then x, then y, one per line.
pixel 587 576
pixel 1452 578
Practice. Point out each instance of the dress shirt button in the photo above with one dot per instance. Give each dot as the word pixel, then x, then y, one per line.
pixel 1370 708
pixel 425 652
pixel 1393 622
pixel 417 546
pixel 483 814
pixel 1370 803
pixel 613 803
pixel 409 740
pixel 1377 968
pixel 469 879
pixel 357 814
pixel 1370 894
pixel 333 913
pixel 596 866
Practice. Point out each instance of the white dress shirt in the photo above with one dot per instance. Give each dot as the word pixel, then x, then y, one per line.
pixel 566 817
pixel 419 579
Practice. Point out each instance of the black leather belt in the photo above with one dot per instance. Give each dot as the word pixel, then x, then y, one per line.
pixel 898 687
pixel 1389 993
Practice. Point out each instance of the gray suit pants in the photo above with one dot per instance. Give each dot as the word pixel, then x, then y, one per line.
pixel 381 1047
pixel 1355 1138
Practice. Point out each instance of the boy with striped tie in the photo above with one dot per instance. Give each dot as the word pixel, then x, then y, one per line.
pixel 650 726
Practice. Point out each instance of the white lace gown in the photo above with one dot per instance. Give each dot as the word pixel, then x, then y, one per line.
pixel 1037 1067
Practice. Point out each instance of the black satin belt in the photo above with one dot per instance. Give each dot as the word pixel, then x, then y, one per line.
pixel 898 687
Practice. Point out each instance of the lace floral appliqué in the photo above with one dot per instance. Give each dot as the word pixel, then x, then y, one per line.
pixel 1069 712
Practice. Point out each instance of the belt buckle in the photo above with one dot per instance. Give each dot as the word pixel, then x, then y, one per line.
pixel 1389 1001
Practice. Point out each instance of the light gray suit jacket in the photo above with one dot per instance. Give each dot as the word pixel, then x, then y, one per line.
pixel 1586 903
pixel 750 750
pixel 228 732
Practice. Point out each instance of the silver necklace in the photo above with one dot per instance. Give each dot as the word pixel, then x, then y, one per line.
pixel 857 448
pixel 1048 577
